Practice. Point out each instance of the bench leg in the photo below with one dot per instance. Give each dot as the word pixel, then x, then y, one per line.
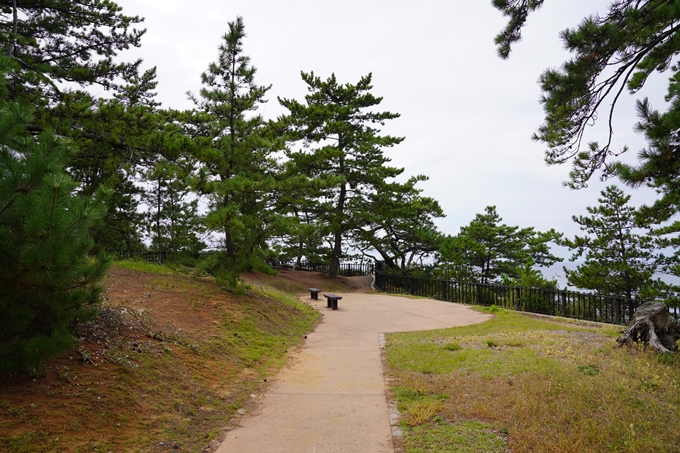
pixel 335 304
pixel 315 295
pixel 329 304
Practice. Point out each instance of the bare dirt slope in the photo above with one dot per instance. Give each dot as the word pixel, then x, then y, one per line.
pixel 297 282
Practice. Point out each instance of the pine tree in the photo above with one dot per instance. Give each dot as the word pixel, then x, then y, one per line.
pixel 119 141
pixel 613 52
pixel 486 250
pixel 59 41
pixel 116 140
pixel 60 47
pixel 300 231
pixel 397 222
pixel 47 280
pixel 341 147
pixel 172 223
pixel 619 260
pixel 237 166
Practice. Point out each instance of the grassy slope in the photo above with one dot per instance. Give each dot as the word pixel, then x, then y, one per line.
pixel 170 362
pixel 526 385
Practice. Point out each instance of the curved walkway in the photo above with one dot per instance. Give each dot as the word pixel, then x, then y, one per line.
pixel 331 398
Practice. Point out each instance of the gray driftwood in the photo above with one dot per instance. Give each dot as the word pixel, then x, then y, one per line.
pixel 654 326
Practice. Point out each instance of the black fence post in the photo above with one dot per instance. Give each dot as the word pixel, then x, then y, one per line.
pixel 617 316
pixel 379 281
pixel 631 310
pixel 444 290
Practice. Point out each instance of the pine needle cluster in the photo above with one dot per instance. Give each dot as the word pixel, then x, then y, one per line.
pixel 46 276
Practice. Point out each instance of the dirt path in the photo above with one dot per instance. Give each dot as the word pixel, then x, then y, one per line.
pixel 331 399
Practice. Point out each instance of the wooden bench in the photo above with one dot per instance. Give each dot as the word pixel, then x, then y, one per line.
pixel 314 293
pixel 332 301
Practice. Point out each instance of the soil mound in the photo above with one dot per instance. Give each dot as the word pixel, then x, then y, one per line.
pixel 297 282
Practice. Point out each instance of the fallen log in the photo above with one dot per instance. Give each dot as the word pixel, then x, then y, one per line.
pixel 652 325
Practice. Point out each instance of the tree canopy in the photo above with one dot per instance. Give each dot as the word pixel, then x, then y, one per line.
pixel 486 250
pixel 59 41
pixel 237 171
pixel 612 53
pixel 397 222
pixel 620 258
pixel 342 146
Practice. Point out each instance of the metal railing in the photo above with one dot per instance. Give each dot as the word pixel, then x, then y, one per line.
pixel 162 257
pixel 347 269
pixel 570 304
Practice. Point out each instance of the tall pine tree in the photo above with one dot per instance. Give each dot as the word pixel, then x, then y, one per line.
pixel 237 166
pixel 486 250
pixel 619 259
pixel 342 145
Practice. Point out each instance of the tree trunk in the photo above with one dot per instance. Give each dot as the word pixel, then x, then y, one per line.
pixel 654 326
pixel 334 268
pixel 15 24
pixel 158 221
pixel 301 243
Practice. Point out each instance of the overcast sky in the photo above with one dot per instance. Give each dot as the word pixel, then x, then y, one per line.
pixel 467 115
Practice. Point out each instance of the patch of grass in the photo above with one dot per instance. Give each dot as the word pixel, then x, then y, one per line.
pixel 423 411
pixel 31 442
pixel 421 408
pixel 144 266
pixel 167 268
pixel 461 437
pixel 549 386
pixel 590 370
pixel 452 347
pixel 260 336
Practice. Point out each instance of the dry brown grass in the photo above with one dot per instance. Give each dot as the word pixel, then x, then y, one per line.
pixel 551 387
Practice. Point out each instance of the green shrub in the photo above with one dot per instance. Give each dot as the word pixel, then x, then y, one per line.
pixel 48 283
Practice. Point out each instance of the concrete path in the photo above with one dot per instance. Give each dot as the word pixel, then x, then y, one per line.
pixel 331 398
